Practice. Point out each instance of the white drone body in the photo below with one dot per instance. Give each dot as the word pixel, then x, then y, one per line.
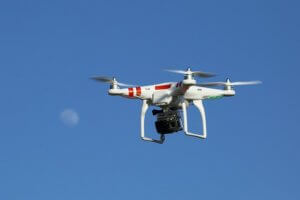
pixel 173 97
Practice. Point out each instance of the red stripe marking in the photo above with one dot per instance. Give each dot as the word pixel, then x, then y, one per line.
pixel 130 92
pixel 162 87
pixel 138 91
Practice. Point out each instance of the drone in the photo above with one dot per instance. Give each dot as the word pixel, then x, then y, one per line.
pixel 173 99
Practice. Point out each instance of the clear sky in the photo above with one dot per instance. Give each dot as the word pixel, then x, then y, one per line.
pixel 49 49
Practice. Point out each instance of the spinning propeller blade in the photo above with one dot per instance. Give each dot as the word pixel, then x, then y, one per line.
pixel 105 79
pixel 246 83
pixel 193 73
pixel 228 83
pixel 102 79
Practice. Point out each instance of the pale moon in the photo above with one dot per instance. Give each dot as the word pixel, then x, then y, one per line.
pixel 69 117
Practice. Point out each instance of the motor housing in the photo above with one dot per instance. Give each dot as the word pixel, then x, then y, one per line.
pixel 168 122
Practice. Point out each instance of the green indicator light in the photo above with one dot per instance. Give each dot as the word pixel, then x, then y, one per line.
pixel 215 97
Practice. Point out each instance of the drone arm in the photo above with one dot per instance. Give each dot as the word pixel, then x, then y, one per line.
pixel 200 107
pixel 143 114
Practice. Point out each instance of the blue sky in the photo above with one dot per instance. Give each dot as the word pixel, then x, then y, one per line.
pixel 48 51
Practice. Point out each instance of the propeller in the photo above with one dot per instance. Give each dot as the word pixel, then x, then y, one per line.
pixel 192 73
pixel 112 80
pixel 229 84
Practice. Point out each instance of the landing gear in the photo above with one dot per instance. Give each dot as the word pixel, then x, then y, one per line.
pixel 143 113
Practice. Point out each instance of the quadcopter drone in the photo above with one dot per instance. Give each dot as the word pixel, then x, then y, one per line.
pixel 171 98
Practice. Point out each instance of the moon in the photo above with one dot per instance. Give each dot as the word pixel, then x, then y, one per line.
pixel 69 117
